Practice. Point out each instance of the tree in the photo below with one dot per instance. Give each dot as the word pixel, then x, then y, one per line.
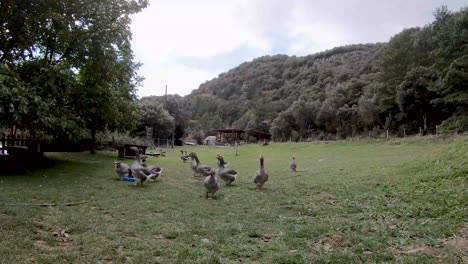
pixel 449 37
pixel 414 94
pixel 74 57
pixel 152 114
pixel 368 111
pixel 282 126
pixel 454 88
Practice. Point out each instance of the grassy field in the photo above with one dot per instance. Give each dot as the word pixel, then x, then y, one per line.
pixel 391 201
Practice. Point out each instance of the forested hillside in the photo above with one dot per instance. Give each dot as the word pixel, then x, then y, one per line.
pixel 415 82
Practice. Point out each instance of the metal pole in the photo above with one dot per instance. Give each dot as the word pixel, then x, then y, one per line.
pixel 165 98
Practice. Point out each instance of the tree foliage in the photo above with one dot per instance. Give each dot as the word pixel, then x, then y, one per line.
pixel 152 114
pixel 71 64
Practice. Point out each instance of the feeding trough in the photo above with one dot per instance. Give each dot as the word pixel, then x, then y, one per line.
pixel 129 179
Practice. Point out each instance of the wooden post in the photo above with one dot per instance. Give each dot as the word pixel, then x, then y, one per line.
pixel 369 134
pixel 437 130
pixel 3 144
pixel 236 146
pixel 404 132
pixel 387 133
pixel 420 131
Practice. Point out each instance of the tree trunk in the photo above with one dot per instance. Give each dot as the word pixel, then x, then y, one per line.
pixel 424 117
pixel 92 144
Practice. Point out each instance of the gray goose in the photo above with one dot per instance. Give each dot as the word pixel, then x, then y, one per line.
pixel 293 165
pixel 184 157
pixel 193 165
pixel 197 167
pixel 157 171
pixel 225 165
pixel 211 183
pixel 224 173
pixel 122 169
pixel 262 176
pixel 140 172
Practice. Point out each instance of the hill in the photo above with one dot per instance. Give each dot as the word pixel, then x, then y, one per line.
pixel 414 83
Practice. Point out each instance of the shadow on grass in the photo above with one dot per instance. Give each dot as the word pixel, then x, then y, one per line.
pixel 19 166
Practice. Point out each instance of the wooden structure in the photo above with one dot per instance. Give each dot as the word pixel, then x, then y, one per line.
pixel 259 135
pixel 229 135
pixel 10 143
pixel 17 153
pixel 126 153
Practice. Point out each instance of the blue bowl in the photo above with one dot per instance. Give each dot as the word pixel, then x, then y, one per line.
pixel 129 179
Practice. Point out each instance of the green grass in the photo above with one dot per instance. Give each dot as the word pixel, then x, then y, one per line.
pixel 399 201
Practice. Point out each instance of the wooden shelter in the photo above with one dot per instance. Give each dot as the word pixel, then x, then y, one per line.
pixel 229 135
pixel 259 135
pixel 126 153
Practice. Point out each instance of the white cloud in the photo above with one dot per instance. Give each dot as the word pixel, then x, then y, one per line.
pixel 200 29
pixel 310 34
pixel 180 79
pixel 168 33
pixel 169 30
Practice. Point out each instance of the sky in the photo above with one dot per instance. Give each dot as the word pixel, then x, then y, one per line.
pixel 184 43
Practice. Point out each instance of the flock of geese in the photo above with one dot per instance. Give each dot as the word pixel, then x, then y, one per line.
pixel 143 173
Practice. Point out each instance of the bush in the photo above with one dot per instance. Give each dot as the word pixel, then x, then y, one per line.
pixel 456 123
pixel 111 141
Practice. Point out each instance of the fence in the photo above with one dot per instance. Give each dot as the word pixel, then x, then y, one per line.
pixel 162 143
pixel 19 153
pixel 9 142
pixel 372 134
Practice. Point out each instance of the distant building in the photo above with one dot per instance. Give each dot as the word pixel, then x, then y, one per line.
pixel 210 140
pixel 229 135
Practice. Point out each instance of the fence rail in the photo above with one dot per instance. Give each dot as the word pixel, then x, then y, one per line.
pixel 9 142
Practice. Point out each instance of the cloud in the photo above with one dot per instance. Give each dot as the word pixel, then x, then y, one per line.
pixel 183 43
pixel 200 29
pixel 167 32
pixel 179 78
